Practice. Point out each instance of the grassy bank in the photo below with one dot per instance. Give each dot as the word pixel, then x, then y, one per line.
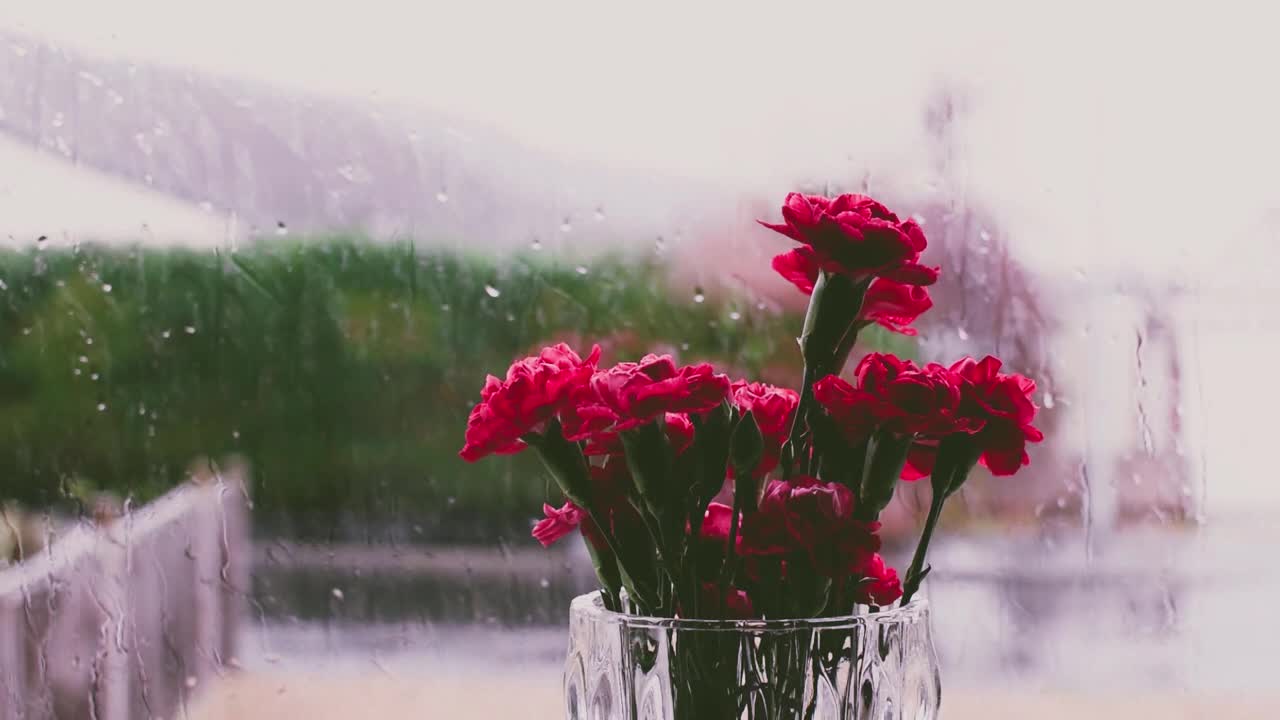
pixel 343 370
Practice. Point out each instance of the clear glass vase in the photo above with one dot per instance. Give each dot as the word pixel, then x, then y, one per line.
pixel 877 665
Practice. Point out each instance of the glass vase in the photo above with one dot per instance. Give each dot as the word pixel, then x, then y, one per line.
pixel 876 665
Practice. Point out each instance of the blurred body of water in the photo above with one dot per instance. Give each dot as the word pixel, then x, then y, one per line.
pixel 1147 610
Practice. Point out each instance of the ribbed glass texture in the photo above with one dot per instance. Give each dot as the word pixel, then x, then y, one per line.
pixel 871 666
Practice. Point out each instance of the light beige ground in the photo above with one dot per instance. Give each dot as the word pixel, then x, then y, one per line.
pixel 262 696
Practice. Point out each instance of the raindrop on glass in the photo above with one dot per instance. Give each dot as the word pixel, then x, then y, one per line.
pixel 1048 400
pixel 566 226
pixel 42 241
pixel 761 306
pixel 581 270
pixel 964 334
pixel 735 315
pixel 442 196
pixel 26 331
pixel 536 244
pixel 599 214
pixel 491 291
pixel 59 119
pixel 190 330
pixel 106 287
pixel 75 371
pixel 165 334
pixel 544 583
pixel 699 296
pixel 83 359
pixel 102 407
pixel 281 228
pixel 191 681
pixel 337 594
pixel 235 434
pixel 94 377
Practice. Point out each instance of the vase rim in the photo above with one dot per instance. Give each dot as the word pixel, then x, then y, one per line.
pixel 591 605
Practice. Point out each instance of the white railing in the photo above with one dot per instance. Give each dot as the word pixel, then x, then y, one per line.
pixel 127 618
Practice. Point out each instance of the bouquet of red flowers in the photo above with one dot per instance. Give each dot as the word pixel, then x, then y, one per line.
pixel 704 497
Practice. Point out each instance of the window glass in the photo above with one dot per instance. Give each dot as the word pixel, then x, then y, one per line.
pixel 256 260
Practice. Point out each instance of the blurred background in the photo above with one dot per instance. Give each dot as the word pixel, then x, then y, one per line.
pixel 257 257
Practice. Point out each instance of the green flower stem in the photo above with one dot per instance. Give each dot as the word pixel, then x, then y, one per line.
pixel 916 573
pixel 730 555
pixel 829 326
pixel 566 463
pixel 957 454
pixel 606 564
pixel 887 460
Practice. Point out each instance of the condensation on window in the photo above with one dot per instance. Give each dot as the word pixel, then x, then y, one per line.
pixel 256 259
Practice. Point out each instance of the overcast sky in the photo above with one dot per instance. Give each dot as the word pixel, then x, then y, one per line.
pixel 1102 135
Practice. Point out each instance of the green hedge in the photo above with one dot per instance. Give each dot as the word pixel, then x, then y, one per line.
pixel 343 369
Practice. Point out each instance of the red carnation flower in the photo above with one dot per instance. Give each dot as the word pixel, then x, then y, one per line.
pixel 558 523
pixel 996 408
pixel 678 427
pixel 854 411
pixel 912 401
pixel 853 235
pixel 807 519
pixel 894 305
pixel 896 396
pixel 799 267
pixel 536 388
pixel 584 417
pixel 1003 403
pixel 635 393
pixel 880 585
pixel 773 408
